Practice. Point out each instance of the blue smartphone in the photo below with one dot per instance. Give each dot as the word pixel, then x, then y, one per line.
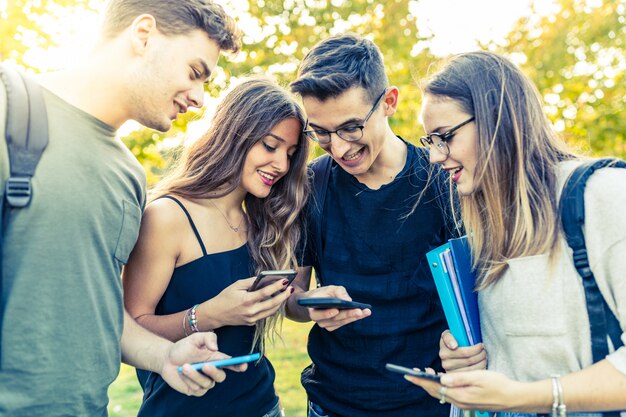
pixel 225 362
pixel 408 371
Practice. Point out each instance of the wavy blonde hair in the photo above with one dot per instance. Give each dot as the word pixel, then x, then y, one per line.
pixel 513 211
pixel 212 167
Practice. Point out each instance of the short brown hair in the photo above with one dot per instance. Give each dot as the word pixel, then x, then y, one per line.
pixel 175 18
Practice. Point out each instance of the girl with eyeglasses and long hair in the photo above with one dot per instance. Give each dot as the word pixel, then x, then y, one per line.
pixel 231 209
pixel 487 128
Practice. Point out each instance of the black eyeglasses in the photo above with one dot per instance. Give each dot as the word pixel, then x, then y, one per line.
pixel 439 141
pixel 348 133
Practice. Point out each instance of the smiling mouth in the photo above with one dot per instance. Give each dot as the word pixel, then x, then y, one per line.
pixel 353 156
pixel 455 173
pixel 267 178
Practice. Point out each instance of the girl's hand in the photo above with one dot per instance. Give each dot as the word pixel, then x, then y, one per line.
pixel 236 306
pixel 478 390
pixel 456 359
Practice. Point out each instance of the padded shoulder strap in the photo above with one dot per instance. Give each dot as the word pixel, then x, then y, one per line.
pixel 26 136
pixel 572 208
pixel 320 171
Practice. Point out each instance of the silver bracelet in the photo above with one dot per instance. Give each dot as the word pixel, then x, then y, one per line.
pixel 558 406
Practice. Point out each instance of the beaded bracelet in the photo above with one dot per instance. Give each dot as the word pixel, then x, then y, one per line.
pixel 192 320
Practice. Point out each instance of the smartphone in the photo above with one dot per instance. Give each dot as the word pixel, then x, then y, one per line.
pixel 225 362
pixel 408 371
pixel 331 302
pixel 266 278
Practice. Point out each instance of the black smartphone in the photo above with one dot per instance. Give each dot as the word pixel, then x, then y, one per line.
pixel 331 302
pixel 266 278
pixel 408 371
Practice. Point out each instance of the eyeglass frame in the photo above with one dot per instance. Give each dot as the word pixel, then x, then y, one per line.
pixel 313 136
pixel 446 136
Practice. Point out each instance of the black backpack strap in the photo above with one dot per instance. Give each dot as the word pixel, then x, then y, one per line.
pixel 26 136
pixel 572 207
pixel 320 171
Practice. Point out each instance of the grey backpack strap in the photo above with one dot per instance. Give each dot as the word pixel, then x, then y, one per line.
pixel 26 136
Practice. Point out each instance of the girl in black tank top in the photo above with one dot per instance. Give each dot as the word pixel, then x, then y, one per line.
pixel 231 209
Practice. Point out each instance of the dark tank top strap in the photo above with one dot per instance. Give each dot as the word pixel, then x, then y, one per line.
pixel 193 226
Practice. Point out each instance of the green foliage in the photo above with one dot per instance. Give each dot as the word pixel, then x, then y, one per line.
pixel 577 58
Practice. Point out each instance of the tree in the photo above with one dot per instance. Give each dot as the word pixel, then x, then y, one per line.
pixel 577 59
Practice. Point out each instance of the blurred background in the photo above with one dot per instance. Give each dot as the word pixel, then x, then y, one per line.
pixel 574 50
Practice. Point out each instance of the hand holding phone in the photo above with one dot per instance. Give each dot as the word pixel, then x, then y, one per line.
pixel 225 362
pixel 408 371
pixel 266 278
pixel 331 302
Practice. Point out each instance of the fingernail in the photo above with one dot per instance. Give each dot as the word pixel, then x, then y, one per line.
pixel 285 282
pixel 292 289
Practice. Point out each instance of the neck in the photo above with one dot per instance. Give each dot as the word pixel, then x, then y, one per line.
pixel 389 162
pixel 95 86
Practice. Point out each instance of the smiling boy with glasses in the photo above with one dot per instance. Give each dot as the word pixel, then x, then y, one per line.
pixel 367 242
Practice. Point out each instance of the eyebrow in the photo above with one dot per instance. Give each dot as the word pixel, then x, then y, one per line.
pixel 206 71
pixel 276 137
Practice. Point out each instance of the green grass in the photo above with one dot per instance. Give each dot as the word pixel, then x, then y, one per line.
pixel 288 356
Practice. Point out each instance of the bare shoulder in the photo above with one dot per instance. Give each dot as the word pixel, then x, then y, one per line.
pixel 164 216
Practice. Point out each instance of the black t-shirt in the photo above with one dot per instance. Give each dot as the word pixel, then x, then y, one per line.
pixel 373 247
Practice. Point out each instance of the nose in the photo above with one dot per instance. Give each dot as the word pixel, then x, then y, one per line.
pixel 337 145
pixel 280 164
pixel 436 156
pixel 196 96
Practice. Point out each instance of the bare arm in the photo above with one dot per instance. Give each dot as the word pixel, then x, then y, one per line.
pixel 599 387
pixel 150 269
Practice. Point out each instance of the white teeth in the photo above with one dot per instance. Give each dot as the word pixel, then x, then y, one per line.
pixel 266 176
pixel 353 156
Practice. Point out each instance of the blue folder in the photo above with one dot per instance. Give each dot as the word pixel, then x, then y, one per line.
pixel 467 280
pixel 452 306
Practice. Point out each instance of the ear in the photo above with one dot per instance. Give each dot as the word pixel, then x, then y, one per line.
pixel 390 101
pixel 142 28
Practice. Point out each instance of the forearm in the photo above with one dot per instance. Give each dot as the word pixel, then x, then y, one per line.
pixel 294 311
pixel 301 285
pixel 176 326
pixel 142 348
pixel 599 387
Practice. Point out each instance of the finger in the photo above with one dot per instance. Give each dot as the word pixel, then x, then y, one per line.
pixel 335 323
pixel 478 361
pixel 448 340
pixel 242 367
pixel 271 289
pixel 339 292
pixel 209 372
pixel 206 340
pixel 321 314
pixel 273 303
pixel 197 382
pixel 465 352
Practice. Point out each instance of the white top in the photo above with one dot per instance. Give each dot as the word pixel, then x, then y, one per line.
pixel 534 319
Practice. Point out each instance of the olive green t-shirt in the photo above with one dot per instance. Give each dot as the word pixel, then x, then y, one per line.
pixel 61 307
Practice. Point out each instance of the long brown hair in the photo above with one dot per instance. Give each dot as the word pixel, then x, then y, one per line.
pixel 212 167
pixel 513 210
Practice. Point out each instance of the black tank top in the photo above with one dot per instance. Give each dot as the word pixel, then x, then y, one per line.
pixel 242 394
